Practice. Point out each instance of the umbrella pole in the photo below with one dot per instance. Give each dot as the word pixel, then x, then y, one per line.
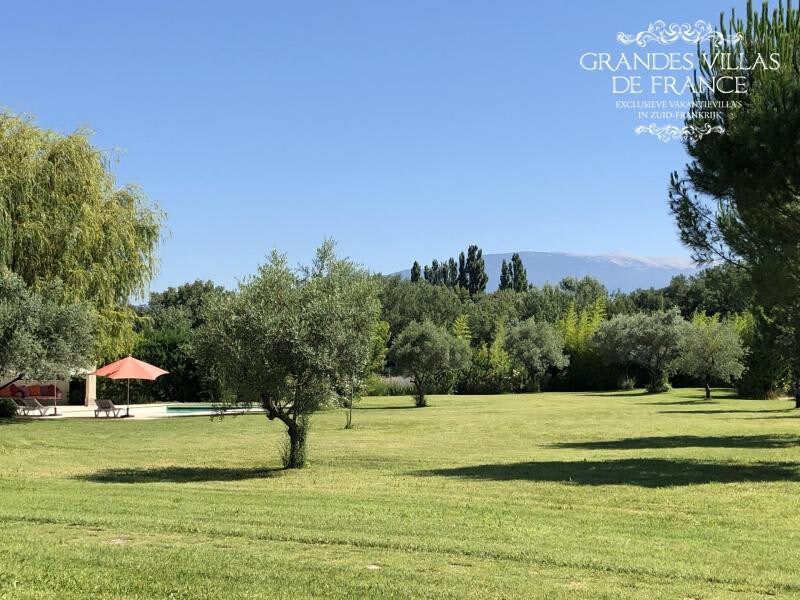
pixel 128 404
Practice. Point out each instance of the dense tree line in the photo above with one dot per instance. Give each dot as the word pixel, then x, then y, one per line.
pixel 573 335
pixel 590 338
pixel 469 273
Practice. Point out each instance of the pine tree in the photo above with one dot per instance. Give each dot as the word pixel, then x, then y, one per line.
pixel 505 276
pixel 737 198
pixel 415 272
pixel 519 277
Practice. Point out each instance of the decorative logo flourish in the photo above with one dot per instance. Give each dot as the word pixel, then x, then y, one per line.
pixel 668 133
pixel 664 34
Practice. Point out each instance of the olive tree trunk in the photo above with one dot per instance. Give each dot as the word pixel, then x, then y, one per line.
pixel 420 401
pixel 659 382
pixel 294 452
pixel 349 424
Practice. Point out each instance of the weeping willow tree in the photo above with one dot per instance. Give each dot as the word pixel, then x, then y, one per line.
pixel 738 200
pixel 63 217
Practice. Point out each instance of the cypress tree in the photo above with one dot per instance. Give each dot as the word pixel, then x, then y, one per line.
pixel 519 277
pixel 415 272
pixel 452 273
pixel 505 276
pixel 476 271
pixel 463 281
pixel 443 273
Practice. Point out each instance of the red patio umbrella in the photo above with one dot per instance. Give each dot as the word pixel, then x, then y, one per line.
pixel 130 368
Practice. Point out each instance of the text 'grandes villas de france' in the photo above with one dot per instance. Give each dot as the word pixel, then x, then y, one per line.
pixel 657 65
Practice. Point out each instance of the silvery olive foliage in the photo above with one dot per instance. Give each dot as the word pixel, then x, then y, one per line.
pixel 290 340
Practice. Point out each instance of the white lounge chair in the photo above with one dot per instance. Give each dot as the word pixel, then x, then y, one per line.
pixel 30 404
pixel 107 407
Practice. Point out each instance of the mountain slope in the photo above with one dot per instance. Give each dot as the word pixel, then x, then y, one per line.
pixel 615 271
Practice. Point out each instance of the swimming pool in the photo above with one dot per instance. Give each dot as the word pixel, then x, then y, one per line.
pixel 204 408
pixel 190 408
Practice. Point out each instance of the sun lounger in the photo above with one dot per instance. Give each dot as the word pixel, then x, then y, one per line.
pixel 29 404
pixel 107 407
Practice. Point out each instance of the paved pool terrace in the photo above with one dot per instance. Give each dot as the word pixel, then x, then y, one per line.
pixel 144 411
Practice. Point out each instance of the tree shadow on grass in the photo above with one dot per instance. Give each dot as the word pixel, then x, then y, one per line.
pixel 697 402
pixel 687 441
pixel 726 411
pixel 383 407
pixel 178 475
pixel 789 414
pixel 617 394
pixel 16 421
pixel 642 472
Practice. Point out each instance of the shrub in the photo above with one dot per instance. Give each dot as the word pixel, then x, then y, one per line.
pixel 428 354
pixel 536 348
pixel 649 341
pixel 711 350
pixel 8 408
pixel 383 385
pixel 767 372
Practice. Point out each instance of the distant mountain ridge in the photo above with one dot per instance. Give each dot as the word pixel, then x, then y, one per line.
pixel 616 271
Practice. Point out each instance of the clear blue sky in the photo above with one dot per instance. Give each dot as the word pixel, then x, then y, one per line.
pixel 403 129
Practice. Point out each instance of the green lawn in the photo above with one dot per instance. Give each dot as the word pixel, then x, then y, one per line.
pixel 546 495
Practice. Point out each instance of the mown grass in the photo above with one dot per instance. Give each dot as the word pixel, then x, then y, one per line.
pixel 548 495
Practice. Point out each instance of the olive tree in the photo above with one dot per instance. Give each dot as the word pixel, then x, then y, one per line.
pixel 41 335
pixel 536 347
pixel 428 354
pixel 651 341
pixel 355 386
pixel 711 349
pixel 290 340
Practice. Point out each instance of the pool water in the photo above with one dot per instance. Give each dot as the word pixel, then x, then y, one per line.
pixel 190 408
